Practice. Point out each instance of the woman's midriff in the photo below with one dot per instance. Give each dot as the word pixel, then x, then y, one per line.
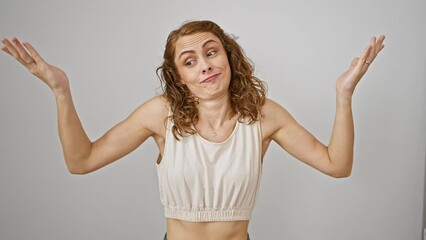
pixel 184 230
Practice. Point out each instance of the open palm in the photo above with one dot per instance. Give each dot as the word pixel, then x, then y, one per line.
pixel 53 76
pixel 347 82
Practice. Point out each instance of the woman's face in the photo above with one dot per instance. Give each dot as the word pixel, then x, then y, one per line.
pixel 203 65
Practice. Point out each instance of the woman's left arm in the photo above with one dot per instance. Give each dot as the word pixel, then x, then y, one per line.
pixel 335 159
pixel 340 148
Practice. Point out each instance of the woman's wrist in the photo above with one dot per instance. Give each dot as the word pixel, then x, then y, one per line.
pixel 344 99
pixel 61 91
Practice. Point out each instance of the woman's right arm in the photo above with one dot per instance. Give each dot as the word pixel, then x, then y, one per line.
pixel 81 155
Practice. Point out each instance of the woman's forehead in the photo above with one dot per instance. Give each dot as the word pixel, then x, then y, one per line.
pixel 194 40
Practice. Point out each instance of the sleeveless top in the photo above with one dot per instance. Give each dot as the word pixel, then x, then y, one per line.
pixel 203 181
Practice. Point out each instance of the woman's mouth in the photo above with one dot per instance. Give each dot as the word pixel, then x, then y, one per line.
pixel 211 78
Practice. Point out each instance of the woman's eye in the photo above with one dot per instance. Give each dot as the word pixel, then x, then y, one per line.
pixel 211 53
pixel 189 63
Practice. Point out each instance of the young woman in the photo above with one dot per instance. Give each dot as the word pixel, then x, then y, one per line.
pixel 212 125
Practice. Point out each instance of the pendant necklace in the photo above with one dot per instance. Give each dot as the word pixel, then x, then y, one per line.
pixel 214 133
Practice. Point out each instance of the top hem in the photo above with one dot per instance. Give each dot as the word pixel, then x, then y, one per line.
pixel 207 215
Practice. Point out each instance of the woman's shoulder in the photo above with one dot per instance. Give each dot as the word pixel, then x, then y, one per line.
pixel 271 107
pixel 153 112
pixel 156 105
pixel 274 116
pixel 272 110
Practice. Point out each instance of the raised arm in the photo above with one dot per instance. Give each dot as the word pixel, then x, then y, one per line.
pixel 81 155
pixel 336 159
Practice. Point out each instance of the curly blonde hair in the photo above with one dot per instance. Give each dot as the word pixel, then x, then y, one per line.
pixel 247 92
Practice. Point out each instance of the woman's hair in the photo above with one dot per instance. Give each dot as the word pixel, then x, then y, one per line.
pixel 247 92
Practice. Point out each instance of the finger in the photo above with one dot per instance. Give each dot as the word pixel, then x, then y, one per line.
pixel 363 58
pixel 370 58
pixel 354 62
pixel 7 51
pixel 21 51
pixel 380 43
pixel 4 48
pixel 380 40
pixel 12 51
pixel 35 55
pixel 378 46
pixel 373 41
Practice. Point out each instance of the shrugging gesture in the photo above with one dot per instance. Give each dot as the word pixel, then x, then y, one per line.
pixel 204 149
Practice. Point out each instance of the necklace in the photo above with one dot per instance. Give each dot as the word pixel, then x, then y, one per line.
pixel 214 132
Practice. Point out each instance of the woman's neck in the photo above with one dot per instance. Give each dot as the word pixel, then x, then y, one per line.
pixel 215 112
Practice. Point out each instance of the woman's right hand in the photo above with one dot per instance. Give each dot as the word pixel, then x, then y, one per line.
pixel 53 76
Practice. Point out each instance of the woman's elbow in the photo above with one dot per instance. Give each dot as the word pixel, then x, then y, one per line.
pixel 77 172
pixel 77 169
pixel 342 173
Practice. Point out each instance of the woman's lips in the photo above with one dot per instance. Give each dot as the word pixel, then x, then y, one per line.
pixel 211 78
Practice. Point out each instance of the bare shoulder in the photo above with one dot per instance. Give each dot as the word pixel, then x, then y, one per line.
pixel 274 118
pixel 152 113
pixel 272 111
pixel 158 105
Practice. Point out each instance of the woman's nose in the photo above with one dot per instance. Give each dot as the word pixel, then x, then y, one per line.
pixel 206 66
pixel 207 69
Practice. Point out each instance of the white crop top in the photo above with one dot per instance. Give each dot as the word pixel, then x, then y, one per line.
pixel 203 181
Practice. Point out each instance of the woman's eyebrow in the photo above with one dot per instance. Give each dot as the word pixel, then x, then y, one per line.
pixel 209 41
pixel 192 51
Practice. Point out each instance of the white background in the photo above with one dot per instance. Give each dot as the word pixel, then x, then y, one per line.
pixel 110 51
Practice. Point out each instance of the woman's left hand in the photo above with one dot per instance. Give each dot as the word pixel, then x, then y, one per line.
pixel 347 82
